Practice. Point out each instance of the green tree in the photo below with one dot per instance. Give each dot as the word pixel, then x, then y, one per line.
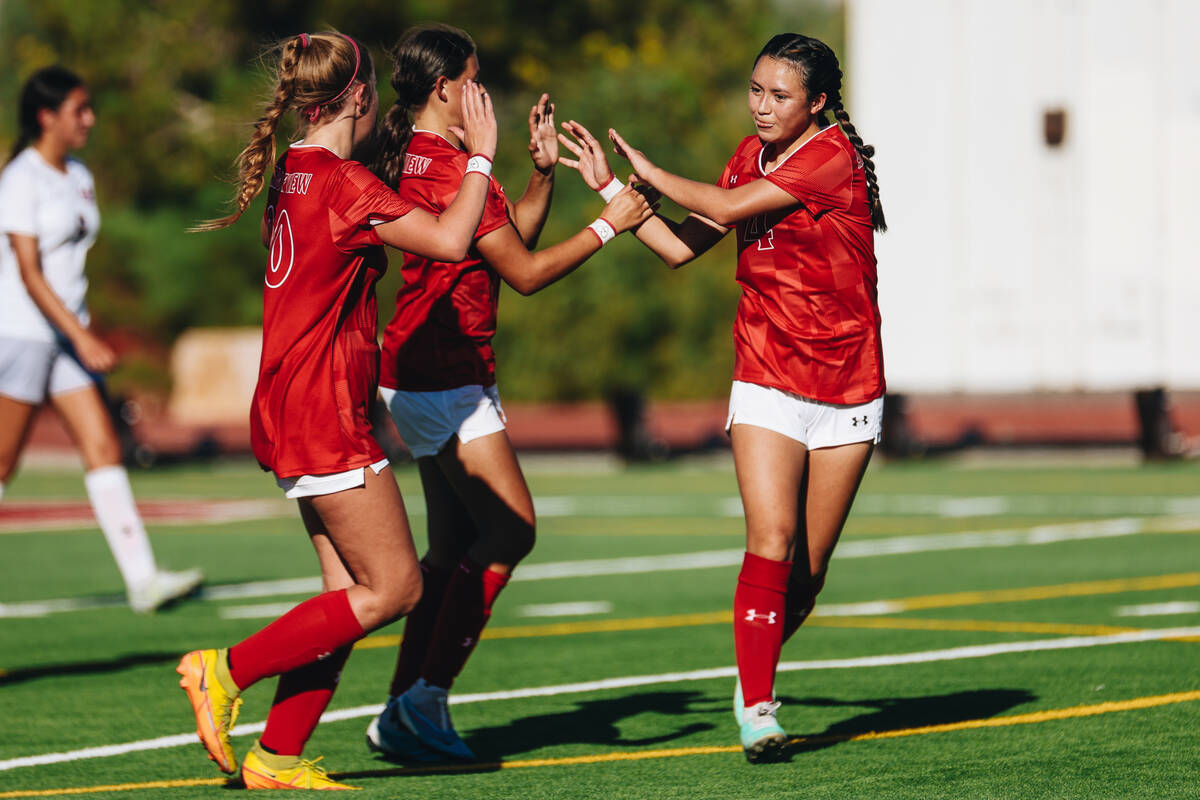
pixel 176 86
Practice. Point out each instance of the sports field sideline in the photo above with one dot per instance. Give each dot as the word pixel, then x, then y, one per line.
pixel 1022 631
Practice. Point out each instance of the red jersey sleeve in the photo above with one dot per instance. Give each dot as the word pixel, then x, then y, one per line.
pixel 495 210
pixel 357 202
pixel 436 185
pixel 820 175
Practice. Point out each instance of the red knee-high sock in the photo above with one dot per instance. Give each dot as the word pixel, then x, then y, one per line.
pixel 314 629
pixel 802 591
pixel 418 627
pixel 758 607
pixel 302 696
pixel 466 608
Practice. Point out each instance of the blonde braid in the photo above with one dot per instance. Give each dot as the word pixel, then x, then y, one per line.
pixel 253 161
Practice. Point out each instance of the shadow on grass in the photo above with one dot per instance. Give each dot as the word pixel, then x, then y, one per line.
pixel 97 667
pixel 593 722
pixel 902 713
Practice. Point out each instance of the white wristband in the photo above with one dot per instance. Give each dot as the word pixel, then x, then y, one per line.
pixel 609 190
pixel 603 230
pixel 480 164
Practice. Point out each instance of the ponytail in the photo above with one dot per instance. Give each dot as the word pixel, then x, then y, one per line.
pixel 423 54
pixel 45 89
pixel 392 144
pixel 315 72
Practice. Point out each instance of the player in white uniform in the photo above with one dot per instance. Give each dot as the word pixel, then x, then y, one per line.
pixel 49 219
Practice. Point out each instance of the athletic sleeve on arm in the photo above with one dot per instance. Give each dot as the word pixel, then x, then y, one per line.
pixel 820 175
pixel 18 202
pixel 358 201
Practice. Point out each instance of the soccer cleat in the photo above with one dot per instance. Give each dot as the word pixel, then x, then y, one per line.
pixel 162 588
pixel 425 711
pixel 215 707
pixel 263 770
pixel 389 737
pixel 739 702
pixel 762 738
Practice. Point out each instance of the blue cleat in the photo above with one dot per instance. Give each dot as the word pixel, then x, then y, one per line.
pixel 762 738
pixel 424 711
pixel 388 736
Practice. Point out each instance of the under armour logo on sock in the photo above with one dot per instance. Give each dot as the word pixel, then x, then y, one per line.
pixel 468 641
pixel 751 616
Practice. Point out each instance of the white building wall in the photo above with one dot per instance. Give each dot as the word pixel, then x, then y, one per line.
pixel 1011 265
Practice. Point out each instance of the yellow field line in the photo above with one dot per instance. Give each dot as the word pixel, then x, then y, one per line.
pixel 116 787
pixel 1036 717
pixel 1087 588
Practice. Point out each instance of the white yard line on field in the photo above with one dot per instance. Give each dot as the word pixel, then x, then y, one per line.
pixel 1159 609
pixel 897 659
pixel 849 548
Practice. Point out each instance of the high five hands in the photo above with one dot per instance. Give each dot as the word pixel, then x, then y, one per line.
pixel 592 164
pixel 543 146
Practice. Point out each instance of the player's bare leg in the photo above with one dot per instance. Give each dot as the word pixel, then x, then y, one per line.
pixel 16 419
pixel 481 505
pixel 770 471
pixel 368 528
pixel 831 483
pixel 87 419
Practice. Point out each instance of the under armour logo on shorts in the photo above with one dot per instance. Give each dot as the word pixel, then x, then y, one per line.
pixel 855 420
pixel 751 616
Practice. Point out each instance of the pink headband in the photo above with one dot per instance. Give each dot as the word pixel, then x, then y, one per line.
pixel 315 112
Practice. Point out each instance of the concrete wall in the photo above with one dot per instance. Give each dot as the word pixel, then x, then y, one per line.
pixel 1013 265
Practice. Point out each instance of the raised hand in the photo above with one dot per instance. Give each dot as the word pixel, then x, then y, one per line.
pixel 636 158
pixel 627 209
pixel 543 146
pixel 479 130
pixel 589 159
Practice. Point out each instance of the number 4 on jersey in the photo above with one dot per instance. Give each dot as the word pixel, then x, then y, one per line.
pixel 757 231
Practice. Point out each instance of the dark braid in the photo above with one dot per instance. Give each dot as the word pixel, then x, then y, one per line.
pixel 820 73
pixel 423 54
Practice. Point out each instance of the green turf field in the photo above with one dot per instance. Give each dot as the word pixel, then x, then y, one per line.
pixel 986 632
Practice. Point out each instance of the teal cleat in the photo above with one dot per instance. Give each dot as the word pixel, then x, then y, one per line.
pixel 762 738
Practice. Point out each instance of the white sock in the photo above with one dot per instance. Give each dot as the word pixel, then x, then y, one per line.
pixel 112 501
pixel 1 490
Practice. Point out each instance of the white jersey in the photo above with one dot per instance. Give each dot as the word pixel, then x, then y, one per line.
pixel 60 210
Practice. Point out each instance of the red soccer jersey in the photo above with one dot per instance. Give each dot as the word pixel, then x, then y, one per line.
pixel 441 335
pixel 320 361
pixel 808 319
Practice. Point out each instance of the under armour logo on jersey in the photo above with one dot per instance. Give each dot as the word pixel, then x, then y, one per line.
pixel 416 165
pixel 751 616
pixel 856 421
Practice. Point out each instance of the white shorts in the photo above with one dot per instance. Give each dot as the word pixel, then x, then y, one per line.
pixel 427 420
pixel 312 485
pixel 33 371
pixel 812 423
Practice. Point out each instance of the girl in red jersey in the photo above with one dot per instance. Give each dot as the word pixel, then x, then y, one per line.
pixel 326 221
pixel 438 376
pixel 804 413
